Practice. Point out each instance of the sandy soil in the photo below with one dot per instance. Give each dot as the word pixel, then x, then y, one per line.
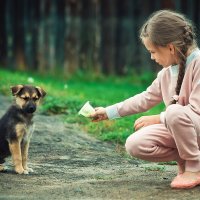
pixel 70 164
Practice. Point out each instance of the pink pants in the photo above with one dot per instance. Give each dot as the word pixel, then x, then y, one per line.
pixel 176 140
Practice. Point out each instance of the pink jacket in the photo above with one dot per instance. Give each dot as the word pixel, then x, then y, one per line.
pixel 163 89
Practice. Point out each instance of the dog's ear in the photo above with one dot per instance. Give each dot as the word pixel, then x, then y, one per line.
pixel 16 89
pixel 41 91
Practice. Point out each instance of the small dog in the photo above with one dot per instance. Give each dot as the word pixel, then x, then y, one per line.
pixel 16 126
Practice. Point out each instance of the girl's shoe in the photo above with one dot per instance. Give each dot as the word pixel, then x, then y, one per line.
pixel 181 182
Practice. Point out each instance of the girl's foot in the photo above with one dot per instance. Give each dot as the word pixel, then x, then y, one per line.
pixel 186 180
pixel 181 168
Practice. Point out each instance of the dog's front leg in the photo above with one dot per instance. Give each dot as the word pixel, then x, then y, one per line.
pixel 15 149
pixel 25 147
pixel 2 168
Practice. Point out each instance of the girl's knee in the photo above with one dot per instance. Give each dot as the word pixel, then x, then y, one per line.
pixel 128 144
pixel 132 145
pixel 173 114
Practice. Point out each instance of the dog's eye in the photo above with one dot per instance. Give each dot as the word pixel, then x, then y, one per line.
pixel 25 98
pixel 35 98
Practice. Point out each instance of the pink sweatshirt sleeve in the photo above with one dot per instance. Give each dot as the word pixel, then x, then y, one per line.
pixel 138 103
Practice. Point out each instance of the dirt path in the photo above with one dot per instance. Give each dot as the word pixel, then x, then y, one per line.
pixel 69 164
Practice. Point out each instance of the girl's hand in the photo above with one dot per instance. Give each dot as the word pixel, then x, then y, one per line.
pixel 146 121
pixel 99 115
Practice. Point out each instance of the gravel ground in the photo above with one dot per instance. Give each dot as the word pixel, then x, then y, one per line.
pixel 70 164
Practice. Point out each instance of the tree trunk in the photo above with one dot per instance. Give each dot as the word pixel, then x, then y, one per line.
pixel 60 35
pixel 124 38
pixel 19 35
pixel 41 61
pixel 2 33
pixel 72 37
pixel 51 36
pixel 89 49
pixel 108 30
pixel 9 29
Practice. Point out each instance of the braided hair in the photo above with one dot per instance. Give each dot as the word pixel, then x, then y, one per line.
pixel 164 27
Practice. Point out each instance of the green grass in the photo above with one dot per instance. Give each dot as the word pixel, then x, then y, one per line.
pixel 66 96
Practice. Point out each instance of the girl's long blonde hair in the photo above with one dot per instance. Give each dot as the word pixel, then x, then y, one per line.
pixel 164 27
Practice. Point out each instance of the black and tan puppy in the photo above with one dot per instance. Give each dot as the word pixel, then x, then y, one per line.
pixel 16 126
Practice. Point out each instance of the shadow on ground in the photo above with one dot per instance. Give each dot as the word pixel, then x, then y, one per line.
pixel 69 164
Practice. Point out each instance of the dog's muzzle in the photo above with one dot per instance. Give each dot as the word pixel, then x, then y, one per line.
pixel 30 109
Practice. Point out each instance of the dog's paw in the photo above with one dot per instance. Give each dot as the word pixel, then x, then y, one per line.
pixel 25 172
pixel 29 169
pixel 20 170
pixel 3 168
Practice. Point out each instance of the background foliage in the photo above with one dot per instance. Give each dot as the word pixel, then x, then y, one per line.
pixel 68 36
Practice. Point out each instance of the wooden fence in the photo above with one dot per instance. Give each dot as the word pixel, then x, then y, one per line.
pixel 100 36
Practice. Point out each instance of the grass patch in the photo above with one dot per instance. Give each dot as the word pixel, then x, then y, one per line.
pixel 68 95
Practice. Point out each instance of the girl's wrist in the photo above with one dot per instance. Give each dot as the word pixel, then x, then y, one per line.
pixel 112 112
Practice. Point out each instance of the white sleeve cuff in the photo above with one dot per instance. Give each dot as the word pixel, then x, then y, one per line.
pixel 112 111
pixel 162 117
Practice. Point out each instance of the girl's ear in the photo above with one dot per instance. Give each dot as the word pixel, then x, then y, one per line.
pixel 171 48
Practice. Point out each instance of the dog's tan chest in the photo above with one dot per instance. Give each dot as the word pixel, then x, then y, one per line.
pixel 23 131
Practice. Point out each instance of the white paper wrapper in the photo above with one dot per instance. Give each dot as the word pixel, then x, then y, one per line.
pixel 86 110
